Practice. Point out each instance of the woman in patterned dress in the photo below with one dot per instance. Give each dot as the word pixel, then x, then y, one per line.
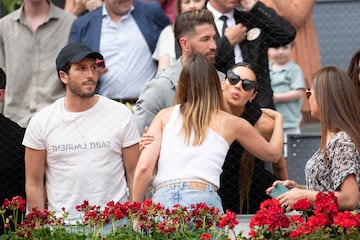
pixel 335 167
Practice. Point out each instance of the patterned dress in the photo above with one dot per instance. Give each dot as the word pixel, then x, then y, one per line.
pixel 342 160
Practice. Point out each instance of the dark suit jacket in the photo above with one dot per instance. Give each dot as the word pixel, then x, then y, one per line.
pixel 275 32
pixel 148 15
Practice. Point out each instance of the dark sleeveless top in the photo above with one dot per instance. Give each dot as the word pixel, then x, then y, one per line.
pixel 229 180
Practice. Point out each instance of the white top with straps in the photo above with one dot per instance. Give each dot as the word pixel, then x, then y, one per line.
pixel 180 161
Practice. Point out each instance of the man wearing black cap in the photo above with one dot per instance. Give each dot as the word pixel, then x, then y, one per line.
pixel 83 146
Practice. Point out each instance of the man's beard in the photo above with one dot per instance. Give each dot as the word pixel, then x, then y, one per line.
pixel 76 90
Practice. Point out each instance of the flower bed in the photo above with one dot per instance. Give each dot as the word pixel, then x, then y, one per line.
pixel 150 220
pixel 324 221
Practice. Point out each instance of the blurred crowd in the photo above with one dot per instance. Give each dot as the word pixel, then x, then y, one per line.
pixel 70 67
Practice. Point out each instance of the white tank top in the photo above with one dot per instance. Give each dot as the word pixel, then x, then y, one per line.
pixel 180 161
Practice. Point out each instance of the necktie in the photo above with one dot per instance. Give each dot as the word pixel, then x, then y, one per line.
pixel 223 18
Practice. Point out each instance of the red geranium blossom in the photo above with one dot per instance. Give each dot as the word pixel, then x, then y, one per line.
pixel 347 220
pixel 302 205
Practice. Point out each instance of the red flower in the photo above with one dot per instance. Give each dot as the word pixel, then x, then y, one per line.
pixel 205 236
pixel 270 214
pixel 319 220
pixel 297 219
pixel 347 220
pixel 302 230
pixel 113 210
pixel 229 219
pixel 6 203
pixel 16 202
pixel 326 203
pixel 273 204
pixel 252 233
pixel 302 205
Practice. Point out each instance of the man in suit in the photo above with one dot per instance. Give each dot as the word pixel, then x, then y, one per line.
pixel 125 32
pixel 251 29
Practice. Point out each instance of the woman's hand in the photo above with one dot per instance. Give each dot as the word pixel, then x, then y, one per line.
pixel 271 113
pixel 146 139
pixel 288 199
pixel 287 183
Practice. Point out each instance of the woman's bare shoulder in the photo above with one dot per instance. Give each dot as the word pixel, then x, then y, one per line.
pixel 163 115
pixel 233 122
pixel 160 120
pixel 166 111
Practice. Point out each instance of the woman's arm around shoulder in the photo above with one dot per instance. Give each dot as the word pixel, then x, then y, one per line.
pixel 149 156
pixel 255 143
pixel 265 126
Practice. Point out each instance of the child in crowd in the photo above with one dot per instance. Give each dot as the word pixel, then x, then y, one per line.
pixel 287 83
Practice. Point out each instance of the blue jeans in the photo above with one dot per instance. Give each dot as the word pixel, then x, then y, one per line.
pixel 183 194
pixel 105 230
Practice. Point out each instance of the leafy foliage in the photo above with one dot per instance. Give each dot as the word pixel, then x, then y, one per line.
pixel 11 5
pixel 149 220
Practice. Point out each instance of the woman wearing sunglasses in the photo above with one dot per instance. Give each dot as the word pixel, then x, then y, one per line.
pixel 244 178
pixel 335 167
pixel 239 89
pixel 192 138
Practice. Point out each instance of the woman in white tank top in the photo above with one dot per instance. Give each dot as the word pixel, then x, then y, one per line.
pixel 191 140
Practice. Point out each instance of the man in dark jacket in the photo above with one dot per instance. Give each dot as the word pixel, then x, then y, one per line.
pixel 251 29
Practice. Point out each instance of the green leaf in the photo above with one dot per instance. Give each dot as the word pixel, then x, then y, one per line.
pixel 11 5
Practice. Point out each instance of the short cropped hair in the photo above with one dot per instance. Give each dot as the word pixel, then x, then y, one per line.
pixel 186 22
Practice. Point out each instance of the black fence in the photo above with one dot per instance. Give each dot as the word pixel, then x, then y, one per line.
pixel 338 30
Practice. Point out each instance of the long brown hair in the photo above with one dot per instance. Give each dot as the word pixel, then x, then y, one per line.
pixel 200 97
pixel 339 104
pixel 247 161
pixel 353 69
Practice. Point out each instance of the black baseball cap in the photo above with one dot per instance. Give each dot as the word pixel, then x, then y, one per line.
pixel 73 53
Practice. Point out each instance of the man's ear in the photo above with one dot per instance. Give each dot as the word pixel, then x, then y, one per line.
pixel 183 44
pixel 2 94
pixel 63 77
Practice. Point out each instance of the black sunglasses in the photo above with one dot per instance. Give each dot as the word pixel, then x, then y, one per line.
pixel 246 84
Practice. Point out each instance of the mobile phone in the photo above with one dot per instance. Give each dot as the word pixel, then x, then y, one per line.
pixel 100 63
pixel 278 190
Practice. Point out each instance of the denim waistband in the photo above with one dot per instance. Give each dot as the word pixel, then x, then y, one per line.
pixel 193 183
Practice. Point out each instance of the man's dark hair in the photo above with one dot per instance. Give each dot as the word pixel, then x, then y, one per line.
pixel 65 69
pixel 186 22
pixel 2 79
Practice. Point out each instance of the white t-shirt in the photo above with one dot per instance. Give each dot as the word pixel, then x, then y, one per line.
pixel 84 153
pixel 166 44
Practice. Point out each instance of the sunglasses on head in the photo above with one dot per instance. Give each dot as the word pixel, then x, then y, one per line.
pixel 308 93
pixel 246 84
